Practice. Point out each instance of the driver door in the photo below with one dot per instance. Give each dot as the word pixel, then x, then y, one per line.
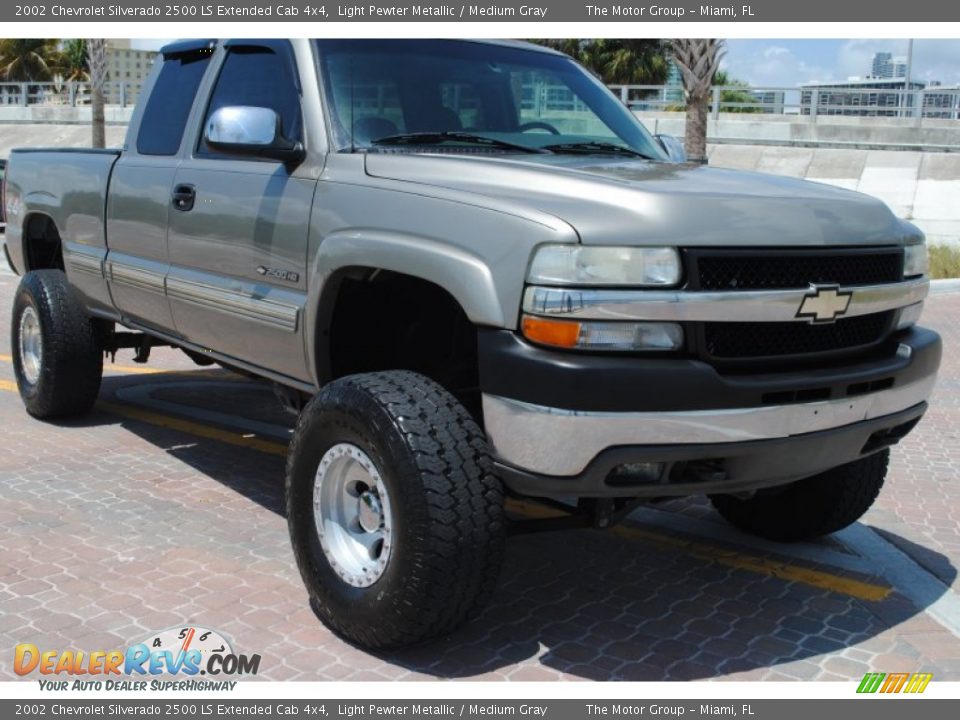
pixel 238 244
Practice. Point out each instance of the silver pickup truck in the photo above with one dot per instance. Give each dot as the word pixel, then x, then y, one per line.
pixel 472 273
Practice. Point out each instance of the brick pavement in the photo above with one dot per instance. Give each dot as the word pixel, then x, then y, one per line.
pixel 116 525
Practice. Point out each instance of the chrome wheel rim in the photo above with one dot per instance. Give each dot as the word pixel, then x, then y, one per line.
pixel 31 345
pixel 351 509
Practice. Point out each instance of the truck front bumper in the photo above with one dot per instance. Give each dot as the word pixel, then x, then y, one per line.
pixel 631 427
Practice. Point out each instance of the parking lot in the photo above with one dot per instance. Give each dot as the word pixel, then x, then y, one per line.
pixel 165 508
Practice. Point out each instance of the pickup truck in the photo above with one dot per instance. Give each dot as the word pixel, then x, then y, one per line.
pixel 473 274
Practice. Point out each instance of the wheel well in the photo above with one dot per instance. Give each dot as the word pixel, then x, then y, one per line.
pixel 42 248
pixel 383 320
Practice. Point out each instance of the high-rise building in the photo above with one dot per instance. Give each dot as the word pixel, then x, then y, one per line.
pixel 886 65
pixel 673 88
pixel 129 66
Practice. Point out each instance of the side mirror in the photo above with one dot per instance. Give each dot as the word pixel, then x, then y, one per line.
pixel 672 147
pixel 252 131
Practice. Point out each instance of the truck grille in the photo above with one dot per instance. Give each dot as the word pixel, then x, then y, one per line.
pixel 748 269
pixel 742 344
pixel 745 340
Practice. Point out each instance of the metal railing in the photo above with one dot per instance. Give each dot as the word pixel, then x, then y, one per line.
pixel 930 102
pixel 812 101
pixel 62 94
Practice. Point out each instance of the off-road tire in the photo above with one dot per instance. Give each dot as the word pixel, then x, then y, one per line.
pixel 811 507
pixel 447 510
pixel 71 364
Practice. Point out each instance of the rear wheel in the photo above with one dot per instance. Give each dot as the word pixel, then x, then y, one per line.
pixel 811 507
pixel 395 515
pixel 57 358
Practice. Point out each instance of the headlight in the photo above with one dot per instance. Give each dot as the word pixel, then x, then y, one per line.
pixel 586 265
pixel 915 261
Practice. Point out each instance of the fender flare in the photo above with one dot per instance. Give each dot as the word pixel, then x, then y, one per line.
pixel 463 275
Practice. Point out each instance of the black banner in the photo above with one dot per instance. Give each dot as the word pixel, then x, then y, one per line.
pixel 197 708
pixel 440 11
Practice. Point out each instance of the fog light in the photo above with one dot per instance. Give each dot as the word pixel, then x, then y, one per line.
pixel 636 336
pixel 636 473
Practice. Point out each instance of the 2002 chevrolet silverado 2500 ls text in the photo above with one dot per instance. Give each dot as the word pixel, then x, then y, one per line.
pixel 473 273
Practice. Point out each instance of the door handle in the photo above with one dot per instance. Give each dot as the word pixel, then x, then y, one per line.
pixel 184 196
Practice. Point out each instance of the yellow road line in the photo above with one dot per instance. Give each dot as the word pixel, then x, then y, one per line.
pixel 723 556
pixel 230 437
pixel 119 368
pixel 138 370
pixel 729 558
pixel 759 565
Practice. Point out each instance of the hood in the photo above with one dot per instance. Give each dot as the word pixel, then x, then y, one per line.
pixel 629 201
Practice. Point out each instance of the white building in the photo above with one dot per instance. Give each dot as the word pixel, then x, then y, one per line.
pixel 128 66
pixel 886 65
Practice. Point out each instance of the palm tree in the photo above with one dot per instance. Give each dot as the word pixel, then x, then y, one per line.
pixel 29 60
pixel 634 61
pixel 627 62
pixel 97 59
pixel 697 60
pixel 76 66
pixel 736 93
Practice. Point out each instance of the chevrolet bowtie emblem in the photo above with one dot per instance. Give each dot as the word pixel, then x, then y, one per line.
pixel 824 303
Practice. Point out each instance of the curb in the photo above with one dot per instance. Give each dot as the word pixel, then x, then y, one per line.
pixel 945 287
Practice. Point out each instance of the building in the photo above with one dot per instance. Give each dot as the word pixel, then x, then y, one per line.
pixel 771 101
pixel 886 66
pixel 673 88
pixel 942 101
pixel 873 97
pixel 129 67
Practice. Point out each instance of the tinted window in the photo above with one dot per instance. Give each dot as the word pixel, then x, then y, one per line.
pixel 166 113
pixel 375 88
pixel 257 77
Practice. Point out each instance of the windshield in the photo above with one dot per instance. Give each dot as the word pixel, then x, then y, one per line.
pixel 473 93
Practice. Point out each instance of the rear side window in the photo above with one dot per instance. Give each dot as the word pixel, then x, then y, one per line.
pixel 257 77
pixel 165 116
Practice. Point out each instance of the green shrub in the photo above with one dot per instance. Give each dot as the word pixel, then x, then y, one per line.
pixel 944 261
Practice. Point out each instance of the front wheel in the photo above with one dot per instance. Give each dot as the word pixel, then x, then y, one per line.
pixel 811 507
pixel 395 515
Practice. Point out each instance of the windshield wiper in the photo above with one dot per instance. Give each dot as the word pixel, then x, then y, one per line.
pixel 435 138
pixel 588 148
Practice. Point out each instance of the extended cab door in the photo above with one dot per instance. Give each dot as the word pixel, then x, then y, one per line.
pixel 139 197
pixel 237 281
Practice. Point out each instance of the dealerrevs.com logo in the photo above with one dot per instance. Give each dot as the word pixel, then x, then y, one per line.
pixel 182 651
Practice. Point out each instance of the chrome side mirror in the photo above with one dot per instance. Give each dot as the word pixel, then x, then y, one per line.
pixel 251 131
pixel 673 147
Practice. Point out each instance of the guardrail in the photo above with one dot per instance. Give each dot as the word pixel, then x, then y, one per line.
pixel 63 94
pixel 813 101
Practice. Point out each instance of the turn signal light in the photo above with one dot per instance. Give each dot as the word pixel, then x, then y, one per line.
pixel 558 333
pixel 603 335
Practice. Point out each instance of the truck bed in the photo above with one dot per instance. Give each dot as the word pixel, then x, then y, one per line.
pixel 68 185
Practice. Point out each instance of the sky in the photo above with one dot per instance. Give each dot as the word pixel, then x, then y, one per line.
pixel 788 63
pixel 793 62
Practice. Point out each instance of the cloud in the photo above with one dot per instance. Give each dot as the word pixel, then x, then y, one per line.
pixel 768 63
pixel 933 60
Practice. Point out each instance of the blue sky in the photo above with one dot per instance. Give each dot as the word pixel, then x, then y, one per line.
pixel 793 62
